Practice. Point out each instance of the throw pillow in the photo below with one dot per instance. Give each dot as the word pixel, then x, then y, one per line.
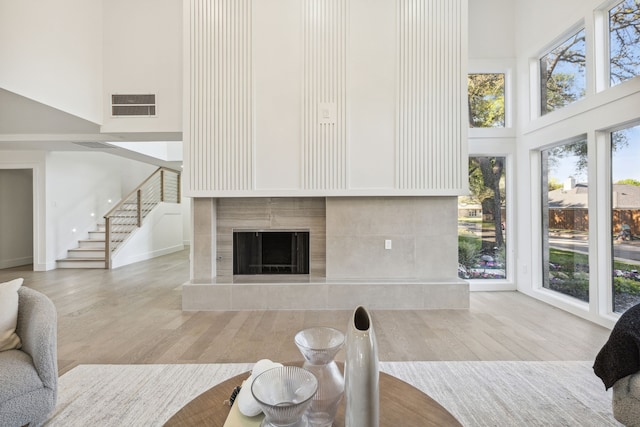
pixel 9 340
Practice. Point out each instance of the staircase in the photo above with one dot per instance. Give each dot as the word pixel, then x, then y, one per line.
pixel 123 220
pixel 88 254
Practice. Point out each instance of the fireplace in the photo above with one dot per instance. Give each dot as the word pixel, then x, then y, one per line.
pixel 325 254
pixel 270 252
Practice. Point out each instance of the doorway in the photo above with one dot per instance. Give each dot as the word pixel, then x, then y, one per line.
pixel 16 217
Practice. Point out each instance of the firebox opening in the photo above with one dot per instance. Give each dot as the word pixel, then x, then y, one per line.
pixel 271 252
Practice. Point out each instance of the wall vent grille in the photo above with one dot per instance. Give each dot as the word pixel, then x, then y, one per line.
pixel 133 105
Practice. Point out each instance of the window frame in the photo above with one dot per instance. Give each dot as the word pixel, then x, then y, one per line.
pixel 535 79
pixel 495 67
pixel 508 283
pixel 541 227
pixel 557 42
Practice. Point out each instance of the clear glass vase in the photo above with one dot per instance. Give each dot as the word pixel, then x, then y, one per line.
pixel 319 347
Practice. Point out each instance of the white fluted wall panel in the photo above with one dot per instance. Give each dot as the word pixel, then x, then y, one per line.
pixel 324 94
pixel 220 154
pixel 431 103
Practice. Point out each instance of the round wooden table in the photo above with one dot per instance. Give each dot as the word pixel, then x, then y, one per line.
pixel 401 404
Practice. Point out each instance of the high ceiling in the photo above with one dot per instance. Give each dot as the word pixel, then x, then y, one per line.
pixel 29 125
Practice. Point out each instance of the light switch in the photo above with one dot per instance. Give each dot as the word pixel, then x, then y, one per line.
pixel 327 112
pixel 387 244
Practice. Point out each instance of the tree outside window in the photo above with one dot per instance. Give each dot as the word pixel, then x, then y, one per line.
pixel 481 221
pixel 562 74
pixel 624 41
pixel 486 100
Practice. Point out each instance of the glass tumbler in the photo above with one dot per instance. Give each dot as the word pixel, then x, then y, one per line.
pixel 319 347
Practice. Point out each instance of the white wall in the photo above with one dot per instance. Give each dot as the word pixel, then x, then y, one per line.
pixel 372 96
pixel 79 187
pixel 143 55
pixel 393 125
pixel 52 53
pixel 132 175
pixel 160 234
pixel 491 29
pixel 16 217
pixel 540 22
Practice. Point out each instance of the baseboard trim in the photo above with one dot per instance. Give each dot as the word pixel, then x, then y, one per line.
pixel 16 262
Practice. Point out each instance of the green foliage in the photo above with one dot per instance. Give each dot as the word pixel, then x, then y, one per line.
pixel 480 189
pixel 486 100
pixel 629 181
pixel 576 283
pixel 568 278
pixel 501 255
pixel 627 286
pixel 619 265
pixel 468 251
pixel 567 259
pixel 559 91
pixel 553 184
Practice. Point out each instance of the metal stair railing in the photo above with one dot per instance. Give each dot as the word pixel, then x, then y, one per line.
pixel 125 217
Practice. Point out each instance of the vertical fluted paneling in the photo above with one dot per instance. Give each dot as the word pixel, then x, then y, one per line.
pixel 431 76
pixel 220 123
pixel 324 88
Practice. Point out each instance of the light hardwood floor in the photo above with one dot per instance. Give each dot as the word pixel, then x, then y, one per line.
pixel 133 315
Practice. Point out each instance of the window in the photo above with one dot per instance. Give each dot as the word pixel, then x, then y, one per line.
pixel 624 41
pixel 625 217
pixel 565 225
pixel 562 74
pixel 482 222
pixel 486 100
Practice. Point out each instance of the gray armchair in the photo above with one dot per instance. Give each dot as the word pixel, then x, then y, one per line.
pixel 626 400
pixel 29 376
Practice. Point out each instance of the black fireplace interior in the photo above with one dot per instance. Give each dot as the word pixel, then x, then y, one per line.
pixel 270 252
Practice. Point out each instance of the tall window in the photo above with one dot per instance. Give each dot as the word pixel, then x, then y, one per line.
pixel 625 217
pixel 481 221
pixel 486 100
pixel 565 222
pixel 624 41
pixel 562 74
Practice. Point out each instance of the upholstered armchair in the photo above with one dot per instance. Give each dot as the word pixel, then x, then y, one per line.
pixel 626 400
pixel 618 365
pixel 29 375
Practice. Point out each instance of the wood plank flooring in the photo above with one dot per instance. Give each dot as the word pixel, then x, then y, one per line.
pixel 133 315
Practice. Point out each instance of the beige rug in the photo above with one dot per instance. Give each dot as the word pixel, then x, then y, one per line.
pixel 477 393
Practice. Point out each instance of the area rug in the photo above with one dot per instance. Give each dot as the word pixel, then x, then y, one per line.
pixel 476 393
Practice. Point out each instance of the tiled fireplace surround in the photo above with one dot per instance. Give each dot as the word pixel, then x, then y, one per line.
pixel 349 264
